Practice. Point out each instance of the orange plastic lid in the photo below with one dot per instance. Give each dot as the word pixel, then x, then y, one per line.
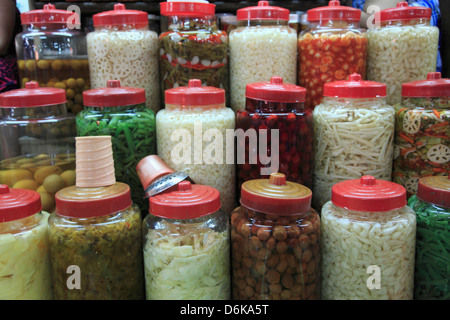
pixel 276 196
pixel 435 190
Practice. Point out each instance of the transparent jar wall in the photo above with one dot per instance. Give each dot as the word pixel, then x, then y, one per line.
pixel 107 250
pixel 193 48
pixel 359 245
pixel 401 52
pixel 259 50
pixel 54 56
pixel 295 141
pixel 179 138
pixel 187 259
pixel 329 51
pixel 352 137
pixel 432 259
pixel 275 256
pixel 25 257
pixel 127 54
pixel 133 129
pixel 422 140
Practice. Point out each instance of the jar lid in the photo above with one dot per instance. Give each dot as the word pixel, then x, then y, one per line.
pixel 49 15
pixel 354 87
pixel 368 194
pixel 188 201
pixel 263 11
pixel 334 11
pixel 121 16
pixel 403 12
pixel 79 202
pixel 435 190
pixel 16 204
pixel 32 96
pixel 275 90
pixel 113 95
pixel 187 8
pixel 433 86
pixel 194 94
pixel 276 196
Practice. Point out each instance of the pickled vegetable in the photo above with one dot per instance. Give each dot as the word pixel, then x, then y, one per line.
pixel 109 256
pixel 422 140
pixel 431 279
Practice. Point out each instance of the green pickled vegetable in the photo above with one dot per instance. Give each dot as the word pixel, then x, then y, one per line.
pixel 432 266
pixel 133 137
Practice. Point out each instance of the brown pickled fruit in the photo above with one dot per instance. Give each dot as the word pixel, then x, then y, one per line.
pixel 275 257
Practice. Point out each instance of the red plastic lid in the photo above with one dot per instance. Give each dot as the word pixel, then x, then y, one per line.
pixel 194 94
pixel 49 15
pixel 368 194
pixel 354 87
pixel 262 12
pixel 275 90
pixel 32 96
pixel 403 12
pixel 188 201
pixel 433 86
pixel 121 16
pixel 187 8
pixel 435 190
pixel 16 204
pixel 79 202
pixel 276 196
pixel 334 11
pixel 113 95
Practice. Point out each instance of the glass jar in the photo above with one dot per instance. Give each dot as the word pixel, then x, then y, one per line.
pixel 422 137
pixel 368 242
pixel 191 136
pixel 121 113
pixel 432 207
pixel 262 45
pixel 275 242
pixel 330 49
pixel 287 142
pixel 122 47
pixel 402 47
pixel 187 245
pixel 37 141
pixel 52 51
pixel 354 134
pixel 24 256
pixel 193 47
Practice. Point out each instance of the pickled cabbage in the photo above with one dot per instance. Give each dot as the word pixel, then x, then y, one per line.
pixel 188 263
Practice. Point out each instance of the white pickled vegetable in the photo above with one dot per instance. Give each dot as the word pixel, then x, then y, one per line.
pixel 189 263
pixel 355 242
pixel 25 264
pixel 353 137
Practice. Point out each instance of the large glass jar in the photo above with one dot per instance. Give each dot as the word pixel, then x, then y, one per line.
pixel 52 51
pixel 275 242
pixel 121 113
pixel 432 207
pixel 402 47
pixel 193 47
pixel 191 136
pixel 187 245
pixel 330 49
pixel 24 258
pixel 122 47
pixel 262 45
pixel 354 135
pixel 37 141
pixel 281 131
pixel 95 233
pixel 422 135
pixel 368 242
